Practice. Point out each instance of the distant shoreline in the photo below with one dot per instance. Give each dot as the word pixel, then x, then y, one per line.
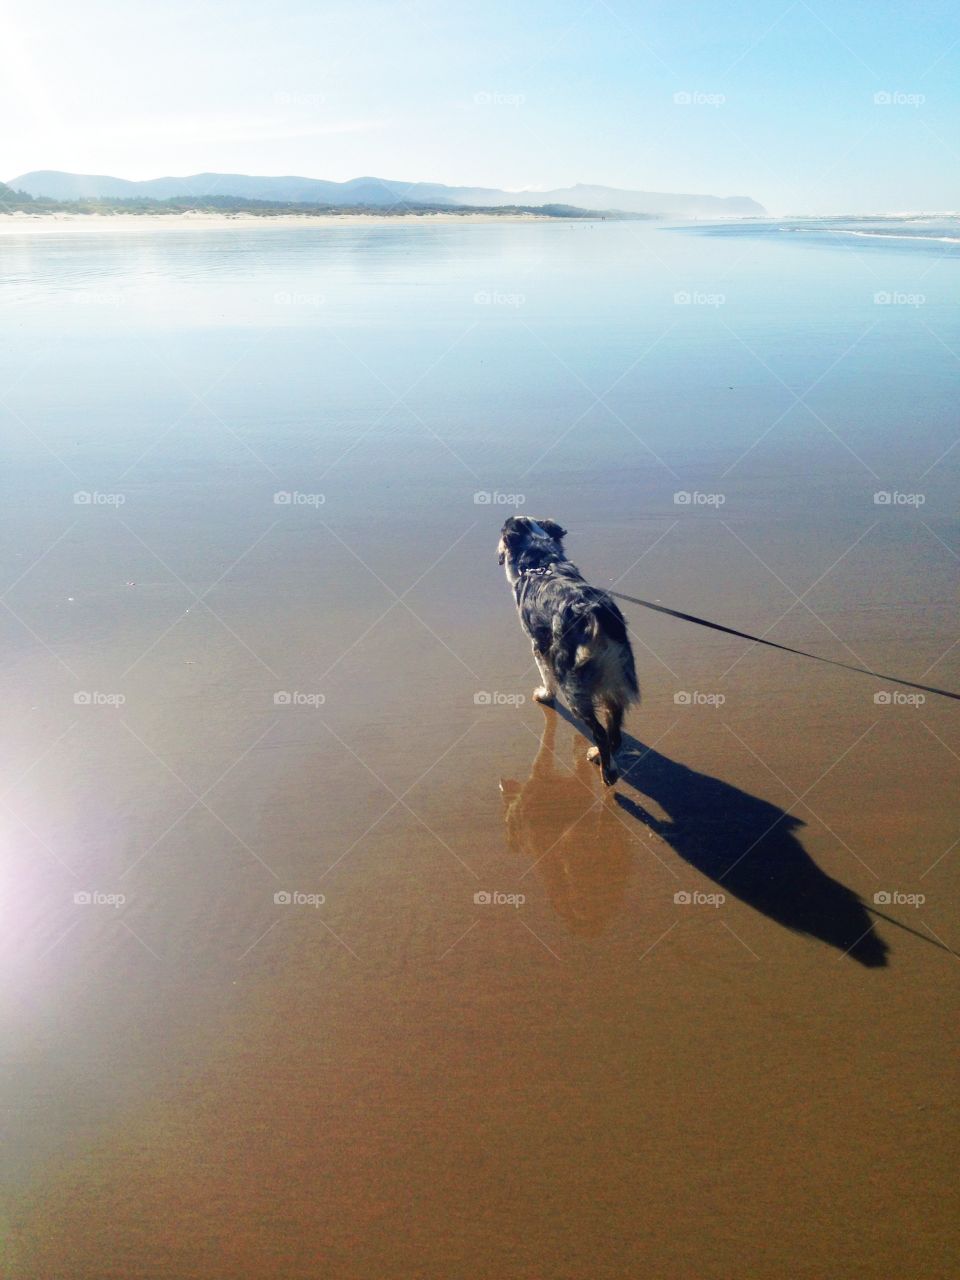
pixel 19 222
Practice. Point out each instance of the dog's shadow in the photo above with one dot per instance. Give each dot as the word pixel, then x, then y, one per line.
pixel 747 846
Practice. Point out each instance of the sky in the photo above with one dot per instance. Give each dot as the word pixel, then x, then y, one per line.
pixel 808 107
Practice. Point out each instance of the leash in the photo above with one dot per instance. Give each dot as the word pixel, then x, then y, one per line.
pixel 745 635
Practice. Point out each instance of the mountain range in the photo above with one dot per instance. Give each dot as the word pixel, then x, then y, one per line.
pixel 378 192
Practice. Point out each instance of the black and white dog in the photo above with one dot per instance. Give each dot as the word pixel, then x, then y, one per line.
pixel 579 635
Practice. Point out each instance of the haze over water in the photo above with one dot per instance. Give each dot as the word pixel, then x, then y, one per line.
pixel 258 644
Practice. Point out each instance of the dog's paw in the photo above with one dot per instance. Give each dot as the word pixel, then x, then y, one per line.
pixel 610 775
pixel 543 694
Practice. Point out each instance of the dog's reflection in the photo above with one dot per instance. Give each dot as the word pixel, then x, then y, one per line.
pixel 564 823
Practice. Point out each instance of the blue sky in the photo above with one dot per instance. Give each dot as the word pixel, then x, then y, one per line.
pixel 774 100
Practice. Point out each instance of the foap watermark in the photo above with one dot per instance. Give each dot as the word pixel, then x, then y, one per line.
pixel 286 298
pixel 483 698
pixel 294 498
pixel 495 98
pixel 493 498
pixel 895 898
pixel 294 898
pixel 894 498
pixel 305 101
pixel 97 898
pixel 897 698
pixel 894 298
pixel 684 298
pixel 697 98
pixel 494 898
pixel 897 98
pixel 695 898
pixel 295 698
pixel 494 298
pixel 93 498
pixel 684 498
pixel 94 698
pixel 694 698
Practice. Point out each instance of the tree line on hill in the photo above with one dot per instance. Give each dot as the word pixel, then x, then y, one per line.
pixel 12 201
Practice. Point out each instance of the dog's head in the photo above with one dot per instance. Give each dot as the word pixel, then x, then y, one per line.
pixel 526 543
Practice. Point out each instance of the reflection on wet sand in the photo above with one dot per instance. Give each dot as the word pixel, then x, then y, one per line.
pixel 746 845
pixel 209 1082
pixel 563 824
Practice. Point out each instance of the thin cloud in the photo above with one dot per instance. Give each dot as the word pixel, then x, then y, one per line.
pixel 231 129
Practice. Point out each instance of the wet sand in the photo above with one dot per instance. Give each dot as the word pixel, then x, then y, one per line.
pixel 598 1080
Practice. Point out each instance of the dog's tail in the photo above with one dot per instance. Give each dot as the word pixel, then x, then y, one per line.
pixel 595 649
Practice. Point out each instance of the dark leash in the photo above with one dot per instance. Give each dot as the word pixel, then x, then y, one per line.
pixel 745 635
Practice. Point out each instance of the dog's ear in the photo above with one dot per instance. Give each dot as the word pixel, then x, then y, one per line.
pixel 553 529
pixel 511 537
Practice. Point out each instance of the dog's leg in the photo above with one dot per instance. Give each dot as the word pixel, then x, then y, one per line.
pixel 548 690
pixel 601 751
pixel 614 723
pixel 583 707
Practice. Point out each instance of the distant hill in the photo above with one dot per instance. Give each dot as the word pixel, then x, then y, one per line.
pixel 378 193
pixel 12 201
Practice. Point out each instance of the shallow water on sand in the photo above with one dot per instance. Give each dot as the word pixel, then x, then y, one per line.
pixel 258 644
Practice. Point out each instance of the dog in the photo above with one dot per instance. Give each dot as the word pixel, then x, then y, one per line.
pixel 578 634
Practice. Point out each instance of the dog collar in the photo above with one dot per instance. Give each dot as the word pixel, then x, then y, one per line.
pixel 524 574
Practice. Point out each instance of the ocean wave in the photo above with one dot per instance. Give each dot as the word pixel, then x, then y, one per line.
pixel 888 235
